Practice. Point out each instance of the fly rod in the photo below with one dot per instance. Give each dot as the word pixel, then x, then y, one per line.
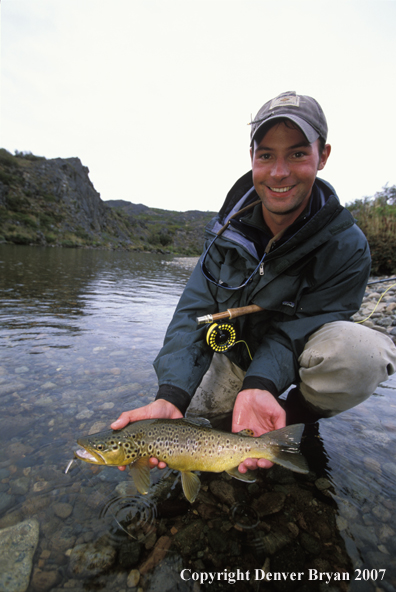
pixel 230 313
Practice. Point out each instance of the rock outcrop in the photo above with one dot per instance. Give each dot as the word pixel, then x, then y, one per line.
pixel 53 202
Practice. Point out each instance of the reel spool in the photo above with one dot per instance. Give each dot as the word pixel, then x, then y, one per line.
pixel 221 338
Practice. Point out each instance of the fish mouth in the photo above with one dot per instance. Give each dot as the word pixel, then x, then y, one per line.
pixel 83 454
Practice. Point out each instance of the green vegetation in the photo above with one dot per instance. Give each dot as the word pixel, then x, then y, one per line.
pixel 53 203
pixel 376 216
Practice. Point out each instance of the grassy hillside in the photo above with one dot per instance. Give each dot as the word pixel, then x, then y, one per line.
pixel 53 202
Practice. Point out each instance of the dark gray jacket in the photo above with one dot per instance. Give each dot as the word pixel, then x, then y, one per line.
pixel 316 276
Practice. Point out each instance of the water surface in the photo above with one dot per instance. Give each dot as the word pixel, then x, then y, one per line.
pixel 79 331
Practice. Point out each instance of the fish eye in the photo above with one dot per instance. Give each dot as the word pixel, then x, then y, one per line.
pixel 100 446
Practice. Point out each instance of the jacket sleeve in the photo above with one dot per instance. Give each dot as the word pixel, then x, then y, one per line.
pixel 185 357
pixel 334 295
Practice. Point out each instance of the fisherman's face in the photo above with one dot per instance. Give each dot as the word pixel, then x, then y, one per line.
pixel 284 168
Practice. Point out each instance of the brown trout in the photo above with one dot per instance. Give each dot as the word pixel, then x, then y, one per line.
pixel 190 445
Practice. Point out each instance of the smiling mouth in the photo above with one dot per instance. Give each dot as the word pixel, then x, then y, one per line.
pixel 281 189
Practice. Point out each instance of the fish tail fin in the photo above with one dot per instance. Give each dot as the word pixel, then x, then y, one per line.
pixel 284 448
pixel 294 461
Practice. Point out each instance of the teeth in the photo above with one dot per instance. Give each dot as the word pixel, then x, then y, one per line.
pixel 281 189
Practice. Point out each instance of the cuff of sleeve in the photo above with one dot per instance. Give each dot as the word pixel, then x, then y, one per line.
pixel 174 395
pixel 258 382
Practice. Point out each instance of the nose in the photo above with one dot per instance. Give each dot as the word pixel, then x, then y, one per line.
pixel 280 169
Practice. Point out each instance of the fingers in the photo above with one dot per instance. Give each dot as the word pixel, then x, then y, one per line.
pixel 253 463
pixel 154 462
pixel 128 417
pixel 156 409
pixel 122 421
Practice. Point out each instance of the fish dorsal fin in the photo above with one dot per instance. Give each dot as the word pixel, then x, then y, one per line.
pixel 249 476
pixel 140 471
pixel 285 445
pixel 198 421
pixel 191 485
pixel 246 432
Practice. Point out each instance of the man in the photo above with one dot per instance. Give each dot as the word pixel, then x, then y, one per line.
pixel 281 241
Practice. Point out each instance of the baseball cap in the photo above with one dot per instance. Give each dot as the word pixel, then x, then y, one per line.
pixel 302 110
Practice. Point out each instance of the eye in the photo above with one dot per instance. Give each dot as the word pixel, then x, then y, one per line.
pixel 100 447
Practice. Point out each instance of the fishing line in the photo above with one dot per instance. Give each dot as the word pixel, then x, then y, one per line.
pixel 378 301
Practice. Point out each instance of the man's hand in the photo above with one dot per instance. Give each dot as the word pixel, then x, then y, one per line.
pixel 159 409
pixel 259 411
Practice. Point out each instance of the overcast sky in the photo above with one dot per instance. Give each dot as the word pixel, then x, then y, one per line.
pixel 154 96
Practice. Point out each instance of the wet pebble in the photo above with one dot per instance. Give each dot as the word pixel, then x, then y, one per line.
pixel 6 501
pixel 40 486
pixel 381 513
pixel 98 426
pixel 223 491
pixel 84 414
pixel 273 542
pixel 87 561
pixel 384 317
pixel 45 580
pixel 20 486
pixel 4 473
pixel 133 578
pixel 63 510
pixel 63 539
pixel 158 553
pixel 310 543
pixel 322 484
pixel 17 547
pixel 269 503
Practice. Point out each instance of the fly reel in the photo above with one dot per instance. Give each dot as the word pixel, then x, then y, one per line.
pixel 221 338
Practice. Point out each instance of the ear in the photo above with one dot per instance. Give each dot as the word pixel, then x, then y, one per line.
pixel 324 156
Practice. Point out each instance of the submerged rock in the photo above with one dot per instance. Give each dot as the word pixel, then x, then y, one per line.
pixel 17 547
pixel 87 561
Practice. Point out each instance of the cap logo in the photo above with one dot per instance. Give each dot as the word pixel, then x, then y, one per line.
pixel 288 101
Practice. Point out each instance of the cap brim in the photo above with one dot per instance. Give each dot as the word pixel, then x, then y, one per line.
pixel 309 132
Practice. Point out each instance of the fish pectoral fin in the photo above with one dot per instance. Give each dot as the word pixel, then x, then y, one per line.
pixel 246 432
pixel 249 476
pixel 191 485
pixel 140 471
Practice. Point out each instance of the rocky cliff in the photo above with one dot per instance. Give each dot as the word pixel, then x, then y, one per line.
pixel 53 202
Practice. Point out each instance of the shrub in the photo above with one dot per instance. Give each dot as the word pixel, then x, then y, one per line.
pixel 376 216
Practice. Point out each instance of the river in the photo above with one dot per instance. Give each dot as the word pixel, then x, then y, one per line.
pixel 79 331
